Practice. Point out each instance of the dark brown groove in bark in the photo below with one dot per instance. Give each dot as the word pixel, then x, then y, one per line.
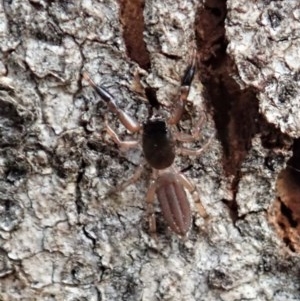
pixel 235 111
pixel 132 19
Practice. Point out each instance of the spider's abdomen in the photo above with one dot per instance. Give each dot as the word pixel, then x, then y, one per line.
pixel 158 144
pixel 174 203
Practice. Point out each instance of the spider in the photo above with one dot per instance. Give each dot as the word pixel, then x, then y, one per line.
pixel 158 144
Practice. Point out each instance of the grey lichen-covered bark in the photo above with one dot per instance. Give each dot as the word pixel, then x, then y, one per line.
pixel 270 62
pixel 61 236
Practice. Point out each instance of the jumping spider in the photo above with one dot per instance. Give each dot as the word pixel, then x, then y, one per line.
pixel 158 145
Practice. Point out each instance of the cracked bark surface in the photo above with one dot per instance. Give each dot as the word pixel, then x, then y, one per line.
pixel 61 237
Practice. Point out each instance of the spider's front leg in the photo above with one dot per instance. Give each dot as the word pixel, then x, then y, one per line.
pixel 124 145
pixel 184 91
pixel 129 122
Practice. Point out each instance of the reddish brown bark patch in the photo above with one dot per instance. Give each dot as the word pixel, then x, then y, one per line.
pixel 285 212
pixel 235 111
pixel 132 19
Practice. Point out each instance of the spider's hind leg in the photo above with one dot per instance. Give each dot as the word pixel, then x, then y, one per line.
pixel 186 82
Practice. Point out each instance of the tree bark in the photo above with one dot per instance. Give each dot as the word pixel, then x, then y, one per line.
pixel 63 236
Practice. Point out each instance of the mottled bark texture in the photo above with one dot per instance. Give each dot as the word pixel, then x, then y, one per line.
pixel 62 237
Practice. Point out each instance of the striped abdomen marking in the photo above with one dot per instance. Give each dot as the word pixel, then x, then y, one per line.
pixel 174 203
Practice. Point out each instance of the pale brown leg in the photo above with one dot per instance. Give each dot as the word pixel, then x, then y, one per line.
pixel 150 197
pixel 193 152
pixel 129 122
pixel 195 133
pixel 137 174
pixel 186 82
pixel 191 187
pixel 123 145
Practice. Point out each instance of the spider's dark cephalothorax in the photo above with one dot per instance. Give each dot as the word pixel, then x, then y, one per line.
pixel 158 144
